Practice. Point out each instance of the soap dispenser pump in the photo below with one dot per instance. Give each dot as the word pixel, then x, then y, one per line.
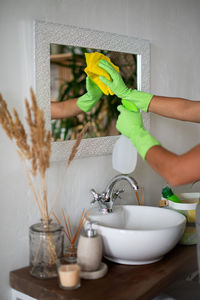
pixel 89 250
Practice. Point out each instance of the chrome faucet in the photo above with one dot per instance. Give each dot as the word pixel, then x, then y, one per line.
pixel 107 198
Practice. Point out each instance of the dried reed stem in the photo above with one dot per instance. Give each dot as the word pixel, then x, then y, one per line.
pixel 51 249
pixel 33 190
pixel 137 197
pixel 81 224
pixel 67 226
pixel 45 200
pixel 58 221
pixel 68 232
pixel 77 143
pixel 71 157
pixel 142 195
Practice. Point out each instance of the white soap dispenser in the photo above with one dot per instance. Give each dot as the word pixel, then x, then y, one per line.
pixel 89 250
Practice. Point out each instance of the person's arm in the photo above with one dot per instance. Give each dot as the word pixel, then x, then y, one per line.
pixel 72 107
pixel 171 107
pixel 176 169
pixel 176 108
pixel 65 109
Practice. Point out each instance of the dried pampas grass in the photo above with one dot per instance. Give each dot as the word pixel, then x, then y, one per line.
pixel 33 149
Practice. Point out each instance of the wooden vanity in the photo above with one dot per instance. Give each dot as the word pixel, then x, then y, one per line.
pixel 122 282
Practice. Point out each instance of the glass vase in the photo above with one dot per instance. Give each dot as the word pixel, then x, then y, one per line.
pixel 46 248
pixel 70 255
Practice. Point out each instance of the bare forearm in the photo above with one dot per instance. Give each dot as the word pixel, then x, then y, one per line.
pixel 176 108
pixel 176 169
pixel 65 109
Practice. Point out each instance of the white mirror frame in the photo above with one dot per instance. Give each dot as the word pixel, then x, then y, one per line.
pixel 46 33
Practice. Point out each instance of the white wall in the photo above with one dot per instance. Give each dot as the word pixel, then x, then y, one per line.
pixel 173 29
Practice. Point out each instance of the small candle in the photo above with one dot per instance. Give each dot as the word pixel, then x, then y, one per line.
pixel 69 276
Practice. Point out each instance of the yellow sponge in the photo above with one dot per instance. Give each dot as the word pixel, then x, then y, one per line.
pixel 94 71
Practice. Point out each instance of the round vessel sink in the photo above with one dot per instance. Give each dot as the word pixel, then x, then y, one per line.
pixel 138 235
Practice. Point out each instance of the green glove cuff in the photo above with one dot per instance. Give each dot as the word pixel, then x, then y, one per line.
pixel 82 103
pixel 119 88
pixel 140 99
pixel 86 102
pixel 143 141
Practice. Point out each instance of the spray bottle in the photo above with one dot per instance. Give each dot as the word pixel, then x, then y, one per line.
pixel 168 194
pixel 124 155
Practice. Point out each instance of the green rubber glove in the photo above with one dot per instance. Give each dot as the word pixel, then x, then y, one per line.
pixel 130 124
pixel 87 101
pixel 117 85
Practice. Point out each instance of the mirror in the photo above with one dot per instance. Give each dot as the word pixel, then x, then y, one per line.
pixel 76 40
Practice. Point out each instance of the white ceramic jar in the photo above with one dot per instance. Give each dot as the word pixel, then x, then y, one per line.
pixel 89 250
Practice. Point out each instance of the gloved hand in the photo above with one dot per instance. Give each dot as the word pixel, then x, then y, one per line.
pixel 87 101
pixel 117 85
pixel 130 124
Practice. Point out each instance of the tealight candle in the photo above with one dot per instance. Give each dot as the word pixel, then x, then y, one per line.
pixel 69 276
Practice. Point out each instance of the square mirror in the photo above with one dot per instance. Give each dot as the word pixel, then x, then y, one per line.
pixel 59 66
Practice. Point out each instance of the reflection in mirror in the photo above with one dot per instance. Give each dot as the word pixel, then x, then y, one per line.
pixel 68 81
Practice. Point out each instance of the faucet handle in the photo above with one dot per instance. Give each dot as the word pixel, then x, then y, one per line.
pixel 100 199
pixel 116 194
pixel 95 195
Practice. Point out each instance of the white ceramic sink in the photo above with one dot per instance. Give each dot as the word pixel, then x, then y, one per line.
pixel 137 235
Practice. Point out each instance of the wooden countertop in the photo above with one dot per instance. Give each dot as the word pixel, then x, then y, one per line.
pixel 121 282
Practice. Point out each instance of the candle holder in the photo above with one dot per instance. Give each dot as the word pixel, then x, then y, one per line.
pixel 69 276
